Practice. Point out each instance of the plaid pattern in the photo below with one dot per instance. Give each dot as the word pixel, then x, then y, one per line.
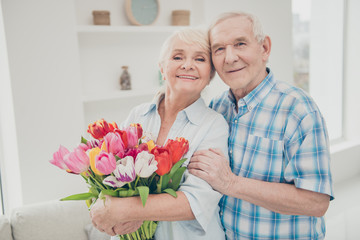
pixel 277 135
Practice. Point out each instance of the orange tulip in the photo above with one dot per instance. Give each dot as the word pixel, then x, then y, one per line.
pixel 177 148
pixel 162 156
pixel 100 128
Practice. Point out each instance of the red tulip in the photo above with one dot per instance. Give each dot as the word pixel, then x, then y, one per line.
pixel 177 148
pixel 138 128
pixel 123 137
pixel 100 128
pixel 163 158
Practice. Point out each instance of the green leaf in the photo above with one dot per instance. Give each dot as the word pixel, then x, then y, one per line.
pixel 176 179
pixel 171 192
pixel 165 181
pixel 144 193
pixel 109 192
pixel 83 140
pixel 80 196
pixel 176 167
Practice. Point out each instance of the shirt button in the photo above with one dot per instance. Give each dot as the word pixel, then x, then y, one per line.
pixel 235 121
pixel 221 213
pixel 230 151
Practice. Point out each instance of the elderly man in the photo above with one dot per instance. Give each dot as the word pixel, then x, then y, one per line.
pixel 278 184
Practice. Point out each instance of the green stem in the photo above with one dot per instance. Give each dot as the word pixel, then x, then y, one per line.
pixel 158 189
pixel 130 187
pixel 136 181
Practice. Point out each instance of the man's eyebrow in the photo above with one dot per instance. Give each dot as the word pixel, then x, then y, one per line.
pixel 239 39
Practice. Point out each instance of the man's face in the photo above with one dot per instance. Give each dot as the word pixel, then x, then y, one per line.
pixel 239 59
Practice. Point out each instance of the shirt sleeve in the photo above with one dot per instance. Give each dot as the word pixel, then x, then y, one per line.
pixel 308 156
pixel 202 197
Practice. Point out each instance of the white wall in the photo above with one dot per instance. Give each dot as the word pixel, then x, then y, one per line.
pixel 9 157
pixel 44 70
pixel 45 76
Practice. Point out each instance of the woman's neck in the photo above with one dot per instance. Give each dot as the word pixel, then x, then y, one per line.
pixel 168 109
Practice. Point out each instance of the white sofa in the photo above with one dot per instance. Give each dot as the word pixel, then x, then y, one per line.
pixel 53 220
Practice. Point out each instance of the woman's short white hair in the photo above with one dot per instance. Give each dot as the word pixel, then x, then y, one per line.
pixel 192 36
pixel 255 22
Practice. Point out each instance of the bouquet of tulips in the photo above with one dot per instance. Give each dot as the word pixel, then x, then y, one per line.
pixel 124 163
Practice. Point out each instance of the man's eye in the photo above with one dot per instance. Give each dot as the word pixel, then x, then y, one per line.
pixel 200 59
pixel 239 44
pixel 177 58
pixel 219 50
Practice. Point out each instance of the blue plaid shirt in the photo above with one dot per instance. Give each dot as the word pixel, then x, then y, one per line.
pixel 277 134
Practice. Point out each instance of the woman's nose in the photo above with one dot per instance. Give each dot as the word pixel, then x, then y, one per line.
pixel 187 65
pixel 230 55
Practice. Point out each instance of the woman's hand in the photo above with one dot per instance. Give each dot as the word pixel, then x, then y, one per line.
pixel 108 216
pixel 127 227
pixel 102 215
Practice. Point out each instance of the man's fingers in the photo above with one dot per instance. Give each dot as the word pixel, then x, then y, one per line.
pixel 217 151
pixel 199 173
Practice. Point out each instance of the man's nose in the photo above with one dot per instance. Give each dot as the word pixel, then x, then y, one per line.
pixel 230 55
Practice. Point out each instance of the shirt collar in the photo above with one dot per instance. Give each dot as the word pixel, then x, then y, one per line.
pixel 192 112
pixel 256 95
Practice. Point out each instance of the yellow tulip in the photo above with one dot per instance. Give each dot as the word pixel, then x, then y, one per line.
pixel 150 145
pixel 92 155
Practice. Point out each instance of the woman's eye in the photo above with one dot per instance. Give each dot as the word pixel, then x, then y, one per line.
pixel 239 44
pixel 176 58
pixel 200 59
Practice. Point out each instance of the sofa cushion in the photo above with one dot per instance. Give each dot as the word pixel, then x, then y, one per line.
pixel 5 228
pixel 53 220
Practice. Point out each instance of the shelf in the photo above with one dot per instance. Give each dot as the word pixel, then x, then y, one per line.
pixel 118 95
pixel 127 29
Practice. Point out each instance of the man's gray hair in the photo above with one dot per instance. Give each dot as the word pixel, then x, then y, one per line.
pixel 255 22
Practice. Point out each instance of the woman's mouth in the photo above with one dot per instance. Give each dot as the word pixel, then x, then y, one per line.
pixel 187 77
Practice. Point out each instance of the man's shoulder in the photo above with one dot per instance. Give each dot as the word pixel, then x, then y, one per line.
pixel 219 100
pixel 296 96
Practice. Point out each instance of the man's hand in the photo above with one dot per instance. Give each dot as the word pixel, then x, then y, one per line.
pixel 212 166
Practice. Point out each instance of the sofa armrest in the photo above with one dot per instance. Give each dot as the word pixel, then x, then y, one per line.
pixel 5 228
pixel 54 220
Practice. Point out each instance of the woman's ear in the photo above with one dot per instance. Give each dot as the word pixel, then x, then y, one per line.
pixel 162 70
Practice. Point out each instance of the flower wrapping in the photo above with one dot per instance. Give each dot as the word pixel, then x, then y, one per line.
pixel 124 163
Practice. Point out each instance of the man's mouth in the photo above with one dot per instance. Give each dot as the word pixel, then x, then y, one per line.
pixel 235 70
pixel 187 77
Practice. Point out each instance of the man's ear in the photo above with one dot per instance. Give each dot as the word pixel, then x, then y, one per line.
pixel 266 48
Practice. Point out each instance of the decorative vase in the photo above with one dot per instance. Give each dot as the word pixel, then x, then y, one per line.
pixel 125 79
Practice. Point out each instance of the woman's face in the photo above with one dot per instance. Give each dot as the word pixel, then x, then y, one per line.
pixel 187 68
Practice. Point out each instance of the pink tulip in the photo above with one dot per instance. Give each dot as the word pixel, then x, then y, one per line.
pixel 114 144
pixel 84 147
pixel 105 162
pixel 132 136
pixel 77 161
pixel 58 157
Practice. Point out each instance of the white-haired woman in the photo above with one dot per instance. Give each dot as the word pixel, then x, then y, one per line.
pixel 178 111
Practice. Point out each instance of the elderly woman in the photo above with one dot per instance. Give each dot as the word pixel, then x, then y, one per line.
pixel 179 111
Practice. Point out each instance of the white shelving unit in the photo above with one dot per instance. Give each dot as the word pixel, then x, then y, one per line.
pixel 103 50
